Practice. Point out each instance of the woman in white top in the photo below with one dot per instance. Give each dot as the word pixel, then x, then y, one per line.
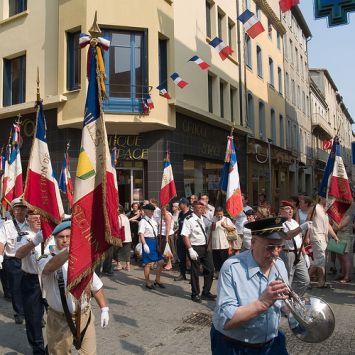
pixel 167 233
pixel 218 239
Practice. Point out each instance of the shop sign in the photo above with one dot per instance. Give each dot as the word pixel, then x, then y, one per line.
pixel 194 129
pixel 129 147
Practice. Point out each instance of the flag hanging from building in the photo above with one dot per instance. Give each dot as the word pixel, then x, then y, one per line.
pixel 13 185
pixel 252 25
pixel 197 60
pixel 163 91
pixel 223 50
pixel 65 181
pixel 327 144
pixel 94 213
pixel 178 80
pixel 335 185
pixel 223 183
pixel 168 189
pixel 287 5
pixel 234 204
pixel 41 188
pixel 150 102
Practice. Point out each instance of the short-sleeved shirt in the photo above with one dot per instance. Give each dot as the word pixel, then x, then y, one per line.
pixel 148 227
pixel 240 283
pixel 319 229
pixel 210 212
pixel 219 237
pixel 195 229
pixel 50 287
pixel 29 262
pixel 9 235
pixel 181 219
pixel 289 226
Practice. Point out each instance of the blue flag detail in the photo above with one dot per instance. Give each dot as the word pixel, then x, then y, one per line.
pixel 41 124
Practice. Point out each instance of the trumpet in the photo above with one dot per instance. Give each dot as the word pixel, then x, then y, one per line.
pixel 311 319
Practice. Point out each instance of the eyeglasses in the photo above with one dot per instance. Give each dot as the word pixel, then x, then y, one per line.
pixel 271 247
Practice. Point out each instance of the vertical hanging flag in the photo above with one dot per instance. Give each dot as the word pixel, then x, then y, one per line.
pixel 223 183
pixel 13 185
pixel 94 213
pixel 178 80
pixel 234 204
pixel 65 181
pixel 327 144
pixel 223 50
pixel 168 189
pixel 252 25
pixel 163 91
pixel 197 60
pixel 41 188
pixel 286 5
pixel 335 185
pixel 150 102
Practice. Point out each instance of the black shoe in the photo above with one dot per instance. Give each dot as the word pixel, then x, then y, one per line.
pixel 196 299
pixel 107 273
pixel 151 287
pixel 159 284
pixel 18 319
pixel 181 277
pixel 208 296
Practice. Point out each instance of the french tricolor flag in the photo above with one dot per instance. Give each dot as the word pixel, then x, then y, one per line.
pixel 221 47
pixel 150 102
pixel 178 80
pixel 253 26
pixel 197 60
pixel 286 5
pixel 168 189
pixel 163 91
pixel 84 39
pixel 65 181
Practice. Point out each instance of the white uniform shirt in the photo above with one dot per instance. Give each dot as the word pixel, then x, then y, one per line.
pixel 192 229
pixel 289 226
pixel 124 221
pixel 51 292
pixel 148 229
pixel 29 262
pixel 9 236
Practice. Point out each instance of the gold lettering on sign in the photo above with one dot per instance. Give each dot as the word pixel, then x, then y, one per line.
pixel 130 148
pixel 194 129
pixel 45 160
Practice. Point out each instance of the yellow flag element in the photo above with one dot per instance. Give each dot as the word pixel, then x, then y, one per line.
pixel 85 169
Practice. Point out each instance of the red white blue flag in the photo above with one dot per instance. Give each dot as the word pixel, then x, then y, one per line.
pixel 178 80
pixel 197 60
pixel 13 185
pixel 223 50
pixel 287 5
pixel 94 213
pixel 252 25
pixel 335 185
pixel 65 181
pixel 150 102
pixel 41 189
pixel 168 189
pixel 234 204
pixel 163 91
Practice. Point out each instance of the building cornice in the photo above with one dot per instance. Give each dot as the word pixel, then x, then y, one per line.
pixel 301 21
pixel 270 14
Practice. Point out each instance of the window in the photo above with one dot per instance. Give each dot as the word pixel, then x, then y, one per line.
pixel 269 29
pixel 163 63
pixel 251 112
pixel 208 19
pixel 288 133
pixel 259 61
pixel 307 105
pixel 279 78
pixel 14 90
pixel 248 51
pixel 262 120
pixel 220 25
pixel 258 12
pixel 126 71
pixel 278 39
pixel 222 87
pixel 248 4
pixel 282 132
pixel 298 97
pixel 73 61
pixel 273 126
pixel 303 102
pixel 210 93
pixel 17 6
pixel 291 52
pixel 271 71
pixel 293 92
pixel 231 35
pixel 301 66
pixel 297 62
pixel 287 80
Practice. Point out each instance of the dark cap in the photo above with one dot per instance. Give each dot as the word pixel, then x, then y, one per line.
pixel 250 212
pixel 286 203
pixel 269 228
pixel 184 201
pixel 148 207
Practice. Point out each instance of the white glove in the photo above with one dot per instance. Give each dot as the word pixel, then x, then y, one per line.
pixel 38 239
pixel 304 226
pixel 1 260
pixel 104 317
pixel 307 261
pixel 193 254
pixel 146 248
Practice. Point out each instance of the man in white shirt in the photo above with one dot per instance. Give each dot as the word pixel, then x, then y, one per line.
pixel 60 326
pixel 11 232
pixel 196 242
pixel 209 213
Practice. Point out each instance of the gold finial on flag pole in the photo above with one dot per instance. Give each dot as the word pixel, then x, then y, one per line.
pixel 19 116
pixel 95 30
pixel 38 93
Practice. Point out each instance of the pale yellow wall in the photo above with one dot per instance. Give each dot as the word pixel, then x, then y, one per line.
pixel 33 33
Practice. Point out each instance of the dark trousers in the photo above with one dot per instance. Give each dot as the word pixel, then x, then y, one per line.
pixel 107 264
pixel 219 257
pixel 204 259
pixel 5 284
pixel 12 267
pixel 33 307
pixel 181 252
pixel 220 345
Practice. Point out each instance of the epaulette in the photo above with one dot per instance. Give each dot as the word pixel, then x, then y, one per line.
pixel 189 216
pixel 43 256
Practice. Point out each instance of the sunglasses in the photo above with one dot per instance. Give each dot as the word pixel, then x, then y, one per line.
pixel 272 247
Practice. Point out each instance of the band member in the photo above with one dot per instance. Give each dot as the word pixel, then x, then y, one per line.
pixel 64 312
pixel 247 314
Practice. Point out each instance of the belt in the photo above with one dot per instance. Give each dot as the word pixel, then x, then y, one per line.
pixel 243 344
pixel 289 250
pixel 149 238
pixel 61 314
pixel 27 274
pixel 10 257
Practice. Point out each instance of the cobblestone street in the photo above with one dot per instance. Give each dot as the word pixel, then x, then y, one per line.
pixel 163 321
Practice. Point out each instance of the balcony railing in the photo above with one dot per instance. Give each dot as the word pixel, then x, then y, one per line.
pixel 321 155
pixel 319 121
